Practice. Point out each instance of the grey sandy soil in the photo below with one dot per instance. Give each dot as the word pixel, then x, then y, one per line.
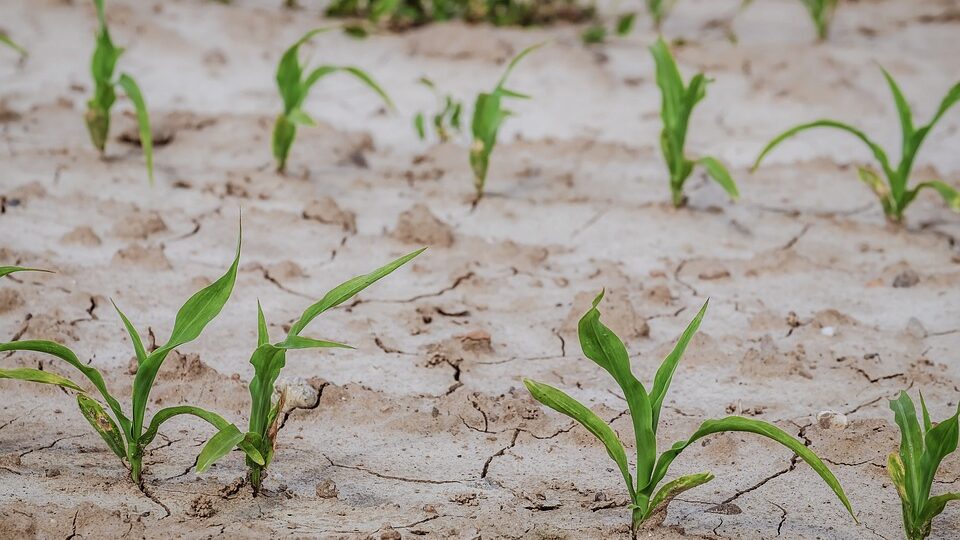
pixel 425 429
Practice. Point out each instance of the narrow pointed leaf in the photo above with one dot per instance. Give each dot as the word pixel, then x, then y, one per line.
pixel 564 404
pixel 263 334
pixel 878 152
pixel 165 414
pixel 676 487
pixel 949 194
pixel 6 40
pixel 134 336
pixel 300 342
pixel 143 120
pixel 218 446
pixel 719 173
pixel 661 382
pixel 39 376
pixel 6 270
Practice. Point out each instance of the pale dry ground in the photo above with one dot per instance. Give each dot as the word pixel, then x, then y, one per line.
pixel 426 429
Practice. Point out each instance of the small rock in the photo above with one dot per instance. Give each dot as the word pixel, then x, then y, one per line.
pixel 828 331
pixel 714 273
pixel 139 226
pixel 477 341
pixel 389 533
pixel 832 420
pixel 133 366
pixel 327 490
pixel 51 473
pixel 907 278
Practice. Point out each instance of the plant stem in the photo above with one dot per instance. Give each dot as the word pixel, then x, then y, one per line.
pixel 635 522
pixel 136 468
pixel 256 478
pixel 679 199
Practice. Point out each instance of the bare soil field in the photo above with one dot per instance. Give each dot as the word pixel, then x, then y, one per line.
pixel 425 430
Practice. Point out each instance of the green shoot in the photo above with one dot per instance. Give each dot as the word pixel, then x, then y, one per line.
pixel 895 195
pixel 922 448
pixel 7 270
pixel 129 436
pixel 488 116
pixel 602 346
pixel 268 361
pixel 405 14
pixel 677 106
pixel 446 122
pixel 294 85
pixel 102 66
pixel 597 32
pixel 821 12
pixel 9 42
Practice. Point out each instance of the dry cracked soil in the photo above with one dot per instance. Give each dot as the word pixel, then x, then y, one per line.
pixel 425 429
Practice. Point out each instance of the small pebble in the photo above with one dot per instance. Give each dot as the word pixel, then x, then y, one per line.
pixel 831 420
pixel 828 331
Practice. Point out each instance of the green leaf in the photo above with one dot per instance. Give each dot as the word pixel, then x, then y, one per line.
pixel 674 488
pixel 719 173
pixel 6 270
pixel 347 290
pixel 163 415
pixel 6 40
pixel 143 119
pixel 661 382
pixel 876 149
pixel 102 423
pixel 939 442
pixel 898 476
pixel 516 60
pixel 263 334
pixel 289 72
pixel 950 195
pixel 935 506
pixel 593 34
pixel 300 342
pixel 368 80
pixel 68 356
pixel 911 448
pixel 300 118
pixel 625 23
pixel 736 423
pixel 218 446
pixel 38 376
pixel 564 404
pixel 601 345
pixel 420 125
pixel 903 109
pixel 192 318
pixel 134 336
pixel 267 361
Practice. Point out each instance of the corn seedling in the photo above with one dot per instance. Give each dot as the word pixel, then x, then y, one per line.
pixel 913 468
pixel 130 439
pixel 294 85
pixel 677 106
pixel 821 13
pixel 488 116
pixel 446 121
pixel 602 346
pixel 268 361
pixel 597 32
pixel 9 42
pixel 895 195
pixel 102 66
pixel 658 10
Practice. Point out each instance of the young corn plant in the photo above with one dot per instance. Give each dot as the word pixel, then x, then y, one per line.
pixel 677 106
pixel 268 361
pixel 658 10
pixel 602 346
pixel 488 116
pixel 294 85
pixel 895 194
pixel 821 13
pixel 913 468
pixel 102 66
pixel 446 121
pixel 129 436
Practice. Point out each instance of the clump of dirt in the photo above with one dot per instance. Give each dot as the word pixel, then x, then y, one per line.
pixel 150 257
pixel 138 225
pixel 81 236
pixel 418 225
pixel 327 211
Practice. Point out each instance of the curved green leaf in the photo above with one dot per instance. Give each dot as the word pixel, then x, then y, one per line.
pixel 38 376
pixel 661 383
pixel 903 110
pixel 102 424
pixel 673 488
pixel 143 120
pixel 935 506
pixel 263 334
pixel 348 289
pixel 516 60
pixel 68 356
pixel 949 194
pixel 134 336
pixel 6 270
pixel 300 342
pixel 875 148
pixel 163 415
pixel 192 318
pixel 9 42
pixel 719 173
pixel 218 446
pixel 737 423
pixel 911 448
pixel 601 345
pixel 564 404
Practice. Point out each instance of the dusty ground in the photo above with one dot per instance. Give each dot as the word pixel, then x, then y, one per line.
pixel 425 429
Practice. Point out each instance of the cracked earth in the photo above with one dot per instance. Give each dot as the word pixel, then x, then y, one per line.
pixel 425 429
